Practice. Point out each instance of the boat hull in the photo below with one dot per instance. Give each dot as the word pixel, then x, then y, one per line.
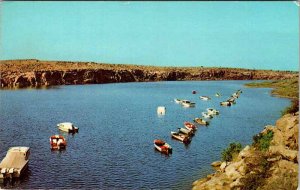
pixel 180 137
pixel 201 121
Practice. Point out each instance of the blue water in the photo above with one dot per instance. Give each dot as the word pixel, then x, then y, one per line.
pixel 117 125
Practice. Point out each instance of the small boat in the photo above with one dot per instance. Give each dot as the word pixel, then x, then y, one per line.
pixel 67 127
pixel 186 131
pixel 235 95
pixel 15 162
pixel 226 103
pixel 178 101
pixel 190 126
pixel 181 137
pixel 217 94
pixel 201 121
pixel 194 92
pixel 187 103
pixel 212 111
pixel 162 146
pixel 57 142
pixel 161 110
pixel 231 100
pixel 204 98
pixel 207 115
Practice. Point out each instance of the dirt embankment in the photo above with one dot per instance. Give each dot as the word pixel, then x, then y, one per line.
pixel 36 73
pixel 276 168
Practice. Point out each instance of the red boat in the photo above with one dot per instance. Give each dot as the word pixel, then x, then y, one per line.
pixel 58 142
pixel 162 146
pixel 190 126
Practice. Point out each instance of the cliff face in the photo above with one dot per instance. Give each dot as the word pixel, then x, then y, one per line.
pixel 34 73
pixel 277 168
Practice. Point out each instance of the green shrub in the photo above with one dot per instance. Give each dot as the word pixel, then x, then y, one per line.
pixel 262 141
pixel 228 153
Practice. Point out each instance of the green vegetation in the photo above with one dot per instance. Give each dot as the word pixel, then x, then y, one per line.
pixel 231 151
pixel 262 141
pixel 285 88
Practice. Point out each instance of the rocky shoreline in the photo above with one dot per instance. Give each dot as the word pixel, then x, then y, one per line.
pixel 275 168
pixel 36 73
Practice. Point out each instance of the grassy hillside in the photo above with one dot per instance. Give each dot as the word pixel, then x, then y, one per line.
pixel 284 88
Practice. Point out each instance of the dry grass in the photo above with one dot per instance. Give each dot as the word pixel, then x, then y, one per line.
pixel 38 65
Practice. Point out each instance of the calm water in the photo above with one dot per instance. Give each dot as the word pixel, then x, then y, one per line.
pixel 118 123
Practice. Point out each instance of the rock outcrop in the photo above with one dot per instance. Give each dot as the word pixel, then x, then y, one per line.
pixel 277 168
pixel 35 73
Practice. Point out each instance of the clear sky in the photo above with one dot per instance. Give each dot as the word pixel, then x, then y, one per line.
pixel 259 35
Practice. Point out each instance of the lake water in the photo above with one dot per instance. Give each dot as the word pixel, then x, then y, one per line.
pixel 117 125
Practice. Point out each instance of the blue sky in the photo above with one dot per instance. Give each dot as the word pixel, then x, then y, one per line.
pixel 259 35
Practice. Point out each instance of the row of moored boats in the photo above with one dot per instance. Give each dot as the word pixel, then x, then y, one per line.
pixel 185 134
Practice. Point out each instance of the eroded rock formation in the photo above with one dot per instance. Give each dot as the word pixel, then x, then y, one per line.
pixel 35 73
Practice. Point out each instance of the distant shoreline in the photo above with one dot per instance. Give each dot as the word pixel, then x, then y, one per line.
pixel 35 73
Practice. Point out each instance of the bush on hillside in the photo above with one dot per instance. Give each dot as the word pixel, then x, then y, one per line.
pixel 262 141
pixel 232 150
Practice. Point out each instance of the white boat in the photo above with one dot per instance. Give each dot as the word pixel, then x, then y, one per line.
pixel 218 94
pixel 204 98
pixel 231 100
pixel 185 131
pixel 15 162
pixel 187 103
pixel 177 101
pixel 162 146
pixel 212 111
pixel 201 121
pixel 235 95
pixel 226 103
pixel 67 127
pixel 181 137
pixel 207 115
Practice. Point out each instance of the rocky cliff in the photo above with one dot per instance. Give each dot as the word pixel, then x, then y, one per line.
pixel 276 168
pixel 35 73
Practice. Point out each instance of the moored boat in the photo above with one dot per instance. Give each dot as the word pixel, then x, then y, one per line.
pixel 207 115
pixel 162 146
pixel 194 92
pixel 178 101
pixel 204 98
pixel 231 100
pixel 188 103
pixel 15 162
pixel 58 142
pixel 190 126
pixel 212 111
pixel 67 127
pixel 186 131
pixel 181 137
pixel 225 103
pixel 201 121
pixel 235 95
